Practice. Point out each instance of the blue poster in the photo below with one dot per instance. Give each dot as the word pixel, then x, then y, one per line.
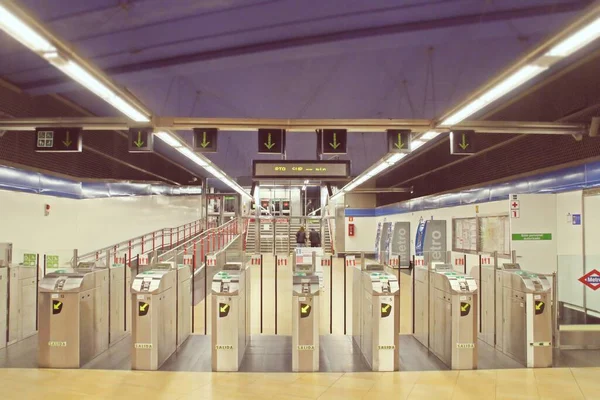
pixel 420 238
pixel 377 239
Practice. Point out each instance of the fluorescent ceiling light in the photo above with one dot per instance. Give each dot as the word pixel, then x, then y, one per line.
pixel 576 41
pixel 511 82
pixel 23 33
pixel 87 80
pixel 394 158
pixel 377 170
pixel 168 139
pixel 415 144
pixel 192 156
pixel 429 135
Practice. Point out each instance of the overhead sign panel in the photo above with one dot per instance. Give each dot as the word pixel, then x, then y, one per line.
pixel 205 140
pixel 271 141
pixel 141 140
pixel 334 141
pixel 58 140
pixel 461 143
pixel 399 140
pixel 286 169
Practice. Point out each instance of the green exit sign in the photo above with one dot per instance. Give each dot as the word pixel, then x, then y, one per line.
pixel 141 140
pixel 58 140
pixel 205 140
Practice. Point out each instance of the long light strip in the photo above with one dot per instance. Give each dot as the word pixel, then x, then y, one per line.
pixel 20 31
pixel 576 41
pixel 23 33
pixel 173 141
pixel 510 83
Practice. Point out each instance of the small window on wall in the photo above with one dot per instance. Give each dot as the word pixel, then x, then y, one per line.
pixel 494 234
pixel 464 235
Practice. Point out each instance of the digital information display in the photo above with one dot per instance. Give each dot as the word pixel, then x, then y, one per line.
pixel 301 169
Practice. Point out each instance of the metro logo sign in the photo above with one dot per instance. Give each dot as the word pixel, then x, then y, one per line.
pixel 591 279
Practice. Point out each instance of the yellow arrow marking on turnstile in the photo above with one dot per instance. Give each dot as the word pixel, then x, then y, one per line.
pixel 465 307
pixel 539 305
pixel 57 305
pixel 384 309
pixel 143 308
pixel 224 308
pixel 305 309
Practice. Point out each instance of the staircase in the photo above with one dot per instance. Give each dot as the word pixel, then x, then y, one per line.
pixel 284 235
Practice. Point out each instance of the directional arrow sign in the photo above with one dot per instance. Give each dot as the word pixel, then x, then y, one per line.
pixel 304 310
pixel 461 143
pixel 56 307
pixel 334 141
pixel 141 140
pixel 205 140
pixel 224 310
pixel 386 310
pixel 143 308
pixel 464 309
pixel 398 140
pixel 271 141
pixel 58 140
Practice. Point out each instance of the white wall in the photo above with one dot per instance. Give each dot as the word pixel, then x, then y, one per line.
pixel 537 215
pixel 364 235
pixel 86 225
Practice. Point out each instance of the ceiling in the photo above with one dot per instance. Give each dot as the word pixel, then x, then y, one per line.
pixel 287 59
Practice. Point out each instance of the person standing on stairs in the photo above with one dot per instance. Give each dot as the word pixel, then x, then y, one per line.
pixel 315 238
pixel 301 237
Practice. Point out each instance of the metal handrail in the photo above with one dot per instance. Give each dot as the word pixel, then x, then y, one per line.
pixel 195 240
pixel 147 237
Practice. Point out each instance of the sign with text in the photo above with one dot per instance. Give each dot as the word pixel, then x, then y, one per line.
pixel 531 236
pixel 271 141
pixel 205 140
pixel 461 143
pixel 58 140
pixel 285 169
pixel 591 279
pixel 141 140
pixel 434 241
pixel 399 140
pixel 401 242
pixel 334 141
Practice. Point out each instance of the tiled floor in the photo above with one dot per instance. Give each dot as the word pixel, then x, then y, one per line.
pixel 557 383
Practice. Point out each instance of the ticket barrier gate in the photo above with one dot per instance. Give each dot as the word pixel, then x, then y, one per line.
pixel 154 311
pixel 446 318
pixel 379 325
pixel 73 316
pixel 305 317
pixel 229 333
pixel 524 316
pixel 18 287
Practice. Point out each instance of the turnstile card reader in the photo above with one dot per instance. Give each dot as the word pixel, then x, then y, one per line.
pixel 305 322
pixel 380 319
pixel 73 317
pixel 153 300
pixel 453 318
pixel 229 334
pixel 526 316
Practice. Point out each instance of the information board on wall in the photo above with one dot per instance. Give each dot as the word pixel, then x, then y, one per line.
pixel 494 233
pixel 465 234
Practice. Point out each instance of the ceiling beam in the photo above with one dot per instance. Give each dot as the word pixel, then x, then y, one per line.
pixel 329 37
pixel 291 125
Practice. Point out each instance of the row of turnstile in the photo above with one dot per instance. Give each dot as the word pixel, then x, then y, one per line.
pixel 447 319
pixel 75 308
